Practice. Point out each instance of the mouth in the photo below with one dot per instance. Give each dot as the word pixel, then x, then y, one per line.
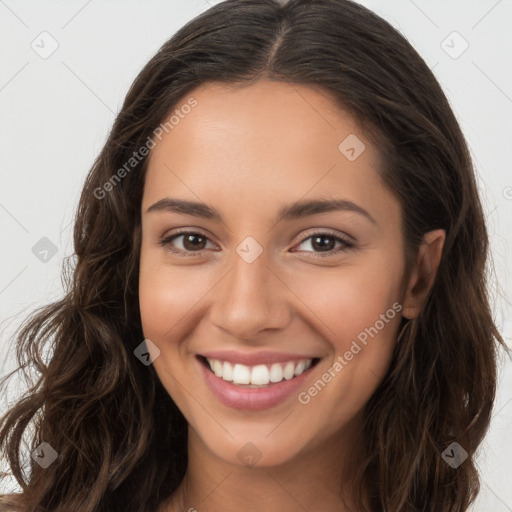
pixel 256 382
pixel 260 375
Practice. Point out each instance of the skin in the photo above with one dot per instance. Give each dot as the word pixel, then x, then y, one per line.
pixel 247 152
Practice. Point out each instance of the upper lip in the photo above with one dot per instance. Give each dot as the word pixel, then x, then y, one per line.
pixel 255 358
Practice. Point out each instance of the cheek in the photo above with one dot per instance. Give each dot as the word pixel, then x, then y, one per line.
pixel 160 306
pixel 352 298
pixel 167 297
pixel 358 310
pixel 166 302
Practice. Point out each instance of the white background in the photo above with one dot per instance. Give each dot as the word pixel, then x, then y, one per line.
pixel 56 113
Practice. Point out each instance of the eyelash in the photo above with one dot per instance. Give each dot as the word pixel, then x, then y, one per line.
pixel 166 241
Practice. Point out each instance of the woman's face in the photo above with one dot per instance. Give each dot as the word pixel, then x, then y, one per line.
pixel 264 279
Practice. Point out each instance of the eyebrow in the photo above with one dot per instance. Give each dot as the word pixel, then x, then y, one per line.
pixel 293 211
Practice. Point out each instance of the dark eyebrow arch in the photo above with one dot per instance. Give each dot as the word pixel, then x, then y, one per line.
pixel 293 211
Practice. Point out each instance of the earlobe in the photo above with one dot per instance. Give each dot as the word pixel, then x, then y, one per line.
pixel 424 272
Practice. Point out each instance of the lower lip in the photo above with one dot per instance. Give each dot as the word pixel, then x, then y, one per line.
pixel 251 398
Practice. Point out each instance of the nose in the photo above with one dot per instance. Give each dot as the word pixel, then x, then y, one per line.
pixel 250 299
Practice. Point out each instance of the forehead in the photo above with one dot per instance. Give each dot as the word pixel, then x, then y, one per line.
pixel 266 143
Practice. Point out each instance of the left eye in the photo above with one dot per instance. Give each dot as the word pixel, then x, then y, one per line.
pixel 325 243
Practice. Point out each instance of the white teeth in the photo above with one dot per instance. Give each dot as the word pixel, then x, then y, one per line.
pixel 241 374
pixel 217 367
pixel 259 375
pixel 299 369
pixel 288 371
pixel 276 373
pixel 227 371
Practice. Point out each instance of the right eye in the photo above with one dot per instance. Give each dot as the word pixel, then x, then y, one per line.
pixel 192 243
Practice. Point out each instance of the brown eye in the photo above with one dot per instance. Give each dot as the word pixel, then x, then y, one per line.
pixel 193 241
pixel 186 243
pixel 324 244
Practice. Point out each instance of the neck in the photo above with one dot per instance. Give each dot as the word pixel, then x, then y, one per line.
pixel 315 479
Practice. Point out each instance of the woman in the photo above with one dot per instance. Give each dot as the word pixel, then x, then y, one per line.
pixel 279 299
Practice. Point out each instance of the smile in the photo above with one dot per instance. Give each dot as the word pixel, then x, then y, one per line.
pixel 254 381
pixel 259 375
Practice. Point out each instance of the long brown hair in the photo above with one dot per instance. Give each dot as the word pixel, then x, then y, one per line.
pixel 120 439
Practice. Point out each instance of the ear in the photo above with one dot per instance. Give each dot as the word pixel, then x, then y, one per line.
pixel 423 272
